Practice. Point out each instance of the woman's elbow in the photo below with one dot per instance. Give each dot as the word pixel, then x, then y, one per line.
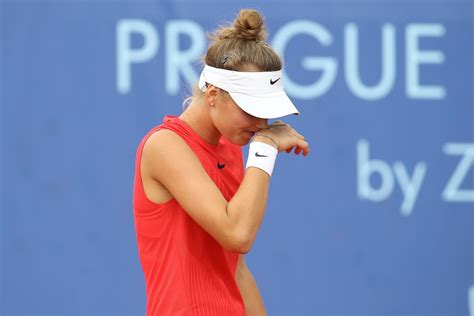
pixel 241 243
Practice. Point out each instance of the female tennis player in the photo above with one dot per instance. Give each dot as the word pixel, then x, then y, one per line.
pixel 197 212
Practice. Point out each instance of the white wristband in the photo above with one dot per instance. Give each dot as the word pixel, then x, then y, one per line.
pixel 262 156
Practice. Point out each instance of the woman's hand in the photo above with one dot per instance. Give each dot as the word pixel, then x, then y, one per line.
pixel 284 137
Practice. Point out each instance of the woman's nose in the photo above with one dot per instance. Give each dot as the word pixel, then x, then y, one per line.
pixel 262 123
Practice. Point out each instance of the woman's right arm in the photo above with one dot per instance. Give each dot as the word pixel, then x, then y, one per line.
pixel 233 224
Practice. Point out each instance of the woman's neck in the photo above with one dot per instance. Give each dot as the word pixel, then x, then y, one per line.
pixel 197 117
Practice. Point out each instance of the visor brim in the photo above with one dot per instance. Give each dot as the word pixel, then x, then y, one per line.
pixel 266 106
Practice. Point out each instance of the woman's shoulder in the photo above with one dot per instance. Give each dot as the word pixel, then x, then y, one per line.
pixel 163 139
pixel 167 128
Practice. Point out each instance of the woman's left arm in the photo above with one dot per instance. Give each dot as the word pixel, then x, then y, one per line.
pixel 248 289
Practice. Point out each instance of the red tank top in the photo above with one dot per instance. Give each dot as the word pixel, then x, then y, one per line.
pixel 187 272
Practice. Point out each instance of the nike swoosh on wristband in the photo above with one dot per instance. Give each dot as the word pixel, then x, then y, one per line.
pixel 272 82
pixel 258 155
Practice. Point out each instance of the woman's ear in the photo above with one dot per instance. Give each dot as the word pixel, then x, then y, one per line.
pixel 211 94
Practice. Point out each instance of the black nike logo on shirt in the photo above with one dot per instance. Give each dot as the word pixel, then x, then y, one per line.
pixel 258 155
pixel 272 82
pixel 220 166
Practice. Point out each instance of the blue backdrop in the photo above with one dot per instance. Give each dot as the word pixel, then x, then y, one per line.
pixel 378 220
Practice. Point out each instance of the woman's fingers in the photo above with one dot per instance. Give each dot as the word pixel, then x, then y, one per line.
pixel 302 146
pixel 289 137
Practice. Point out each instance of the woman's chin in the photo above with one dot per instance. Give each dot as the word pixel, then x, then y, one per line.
pixel 241 140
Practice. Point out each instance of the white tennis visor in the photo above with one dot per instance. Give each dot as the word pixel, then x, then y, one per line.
pixel 259 94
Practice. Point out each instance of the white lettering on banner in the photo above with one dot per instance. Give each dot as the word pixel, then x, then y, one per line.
pixel 126 56
pixel 411 186
pixel 328 65
pixel 470 300
pixel 352 70
pixel 451 192
pixel 415 57
pixel 366 167
pixel 180 61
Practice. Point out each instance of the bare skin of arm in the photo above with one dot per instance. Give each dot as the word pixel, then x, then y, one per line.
pixel 169 162
pixel 248 289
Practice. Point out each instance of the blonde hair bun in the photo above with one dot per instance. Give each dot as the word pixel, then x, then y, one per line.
pixel 248 25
